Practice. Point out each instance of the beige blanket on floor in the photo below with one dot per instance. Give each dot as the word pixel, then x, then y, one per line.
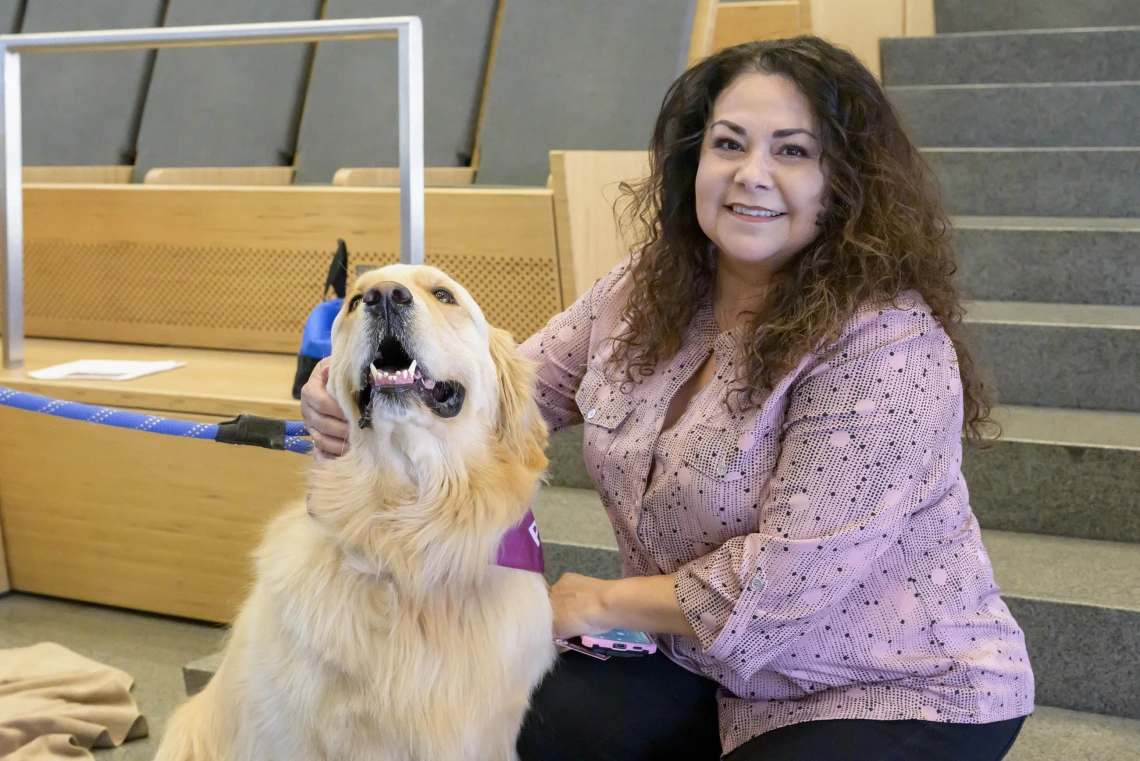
pixel 55 704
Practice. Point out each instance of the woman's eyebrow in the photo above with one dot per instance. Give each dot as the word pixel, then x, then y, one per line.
pixel 793 131
pixel 780 133
pixel 732 126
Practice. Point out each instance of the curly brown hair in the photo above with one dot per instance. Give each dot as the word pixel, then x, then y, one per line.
pixel 883 230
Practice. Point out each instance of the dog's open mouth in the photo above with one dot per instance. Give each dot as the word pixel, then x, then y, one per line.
pixel 397 378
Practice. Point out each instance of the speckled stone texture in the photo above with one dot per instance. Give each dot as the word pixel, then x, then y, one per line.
pixel 1061 365
pixel 1085 658
pixel 1048 260
pixel 1022 116
pixel 1094 182
pixel 989 15
pixel 1102 55
pixel 1087 492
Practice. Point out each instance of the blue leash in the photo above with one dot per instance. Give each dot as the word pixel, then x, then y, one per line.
pixel 245 429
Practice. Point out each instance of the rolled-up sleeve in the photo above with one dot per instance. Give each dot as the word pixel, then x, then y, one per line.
pixel 869 437
pixel 562 351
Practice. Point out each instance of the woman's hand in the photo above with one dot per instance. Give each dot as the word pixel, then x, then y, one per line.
pixel 323 416
pixel 579 607
pixel 641 603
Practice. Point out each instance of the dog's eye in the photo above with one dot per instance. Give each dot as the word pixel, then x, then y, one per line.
pixel 355 301
pixel 443 295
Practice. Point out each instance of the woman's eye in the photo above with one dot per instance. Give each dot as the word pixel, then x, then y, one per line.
pixel 355 301
pixel 443 295
pixel 795 150
pixel 727 143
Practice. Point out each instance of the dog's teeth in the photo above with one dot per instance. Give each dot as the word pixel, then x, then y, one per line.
pixel 376 376
pixel 429 384
pixel 412 369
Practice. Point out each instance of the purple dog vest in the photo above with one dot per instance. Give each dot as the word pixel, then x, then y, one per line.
pixel 521 548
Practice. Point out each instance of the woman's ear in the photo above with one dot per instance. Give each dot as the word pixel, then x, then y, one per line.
pixel 520 424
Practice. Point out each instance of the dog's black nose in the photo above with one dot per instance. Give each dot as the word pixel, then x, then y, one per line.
pixel 387 298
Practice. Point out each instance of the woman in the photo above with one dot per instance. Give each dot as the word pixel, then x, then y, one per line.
pixel 773 389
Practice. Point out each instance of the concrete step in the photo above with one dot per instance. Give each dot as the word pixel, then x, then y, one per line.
pixel 1039 182
pixel 1054 734
pixel 1064 55
pixel 988 15
pixel 1073 356
pixel 1078 601
pixel 1071 473
pixel 1087 114
pixel 1049 259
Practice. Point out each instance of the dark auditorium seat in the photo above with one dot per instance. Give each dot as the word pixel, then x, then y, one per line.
pixel 351 117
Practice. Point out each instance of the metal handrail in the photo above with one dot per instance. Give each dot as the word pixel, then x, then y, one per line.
pixel 409 34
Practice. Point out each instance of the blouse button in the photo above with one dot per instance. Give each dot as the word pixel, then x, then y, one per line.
pixel 590 414
pixel 721 469
pixel 756 584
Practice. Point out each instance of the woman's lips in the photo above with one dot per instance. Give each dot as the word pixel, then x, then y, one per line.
pixel 753 214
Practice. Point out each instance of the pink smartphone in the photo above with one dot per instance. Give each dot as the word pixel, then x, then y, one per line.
pixel 619 641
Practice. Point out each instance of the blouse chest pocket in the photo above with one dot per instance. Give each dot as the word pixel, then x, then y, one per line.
pixel 719 473
pixel 604 410
pixel 715 452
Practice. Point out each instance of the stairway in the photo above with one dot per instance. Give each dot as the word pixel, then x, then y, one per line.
pixel 1035 138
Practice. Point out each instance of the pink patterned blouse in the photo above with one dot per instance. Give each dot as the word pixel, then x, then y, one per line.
pixel 825 550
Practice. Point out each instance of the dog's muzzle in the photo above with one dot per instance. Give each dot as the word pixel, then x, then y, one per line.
pixel 394 375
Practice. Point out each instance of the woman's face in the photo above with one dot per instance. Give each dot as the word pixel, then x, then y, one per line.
pixel 760 181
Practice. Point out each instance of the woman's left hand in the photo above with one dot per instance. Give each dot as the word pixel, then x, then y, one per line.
pixel 579 606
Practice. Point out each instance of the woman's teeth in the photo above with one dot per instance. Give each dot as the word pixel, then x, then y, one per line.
pixel 755 212
pixel 398 378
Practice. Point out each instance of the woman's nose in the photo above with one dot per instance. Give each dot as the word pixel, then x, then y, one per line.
pixel 755 171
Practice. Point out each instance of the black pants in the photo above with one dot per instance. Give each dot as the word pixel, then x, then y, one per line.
pixel 645 709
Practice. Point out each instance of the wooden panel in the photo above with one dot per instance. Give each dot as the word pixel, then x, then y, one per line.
pixel 97 175
pixel 746 22
pixel 4 585
pixel 919 18
pixel 858 25
pixel 133 519
pixel 586 190
pixel 805 17
pixel 213 383
pixel 240 268
pixel 390 176
pixel 704 26
pixel 220 175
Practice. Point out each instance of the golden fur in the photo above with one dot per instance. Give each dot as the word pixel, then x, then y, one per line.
pixel 378 627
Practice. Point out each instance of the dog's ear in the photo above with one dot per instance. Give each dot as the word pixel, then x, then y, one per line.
pixel 520 424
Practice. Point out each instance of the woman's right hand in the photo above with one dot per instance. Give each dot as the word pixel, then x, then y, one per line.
pixel 323 416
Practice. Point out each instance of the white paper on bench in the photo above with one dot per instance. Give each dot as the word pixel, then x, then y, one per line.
pixel 103 369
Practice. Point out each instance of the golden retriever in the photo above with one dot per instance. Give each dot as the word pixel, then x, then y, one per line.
pixel 378 626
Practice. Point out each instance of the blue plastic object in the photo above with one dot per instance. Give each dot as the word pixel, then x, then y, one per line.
pixel 316 340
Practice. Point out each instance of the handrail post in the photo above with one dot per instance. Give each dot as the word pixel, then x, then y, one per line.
pixel 412 143
pixel 12 211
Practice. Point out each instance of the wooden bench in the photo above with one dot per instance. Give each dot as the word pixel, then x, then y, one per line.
pixel 221 278
pixel 135 519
